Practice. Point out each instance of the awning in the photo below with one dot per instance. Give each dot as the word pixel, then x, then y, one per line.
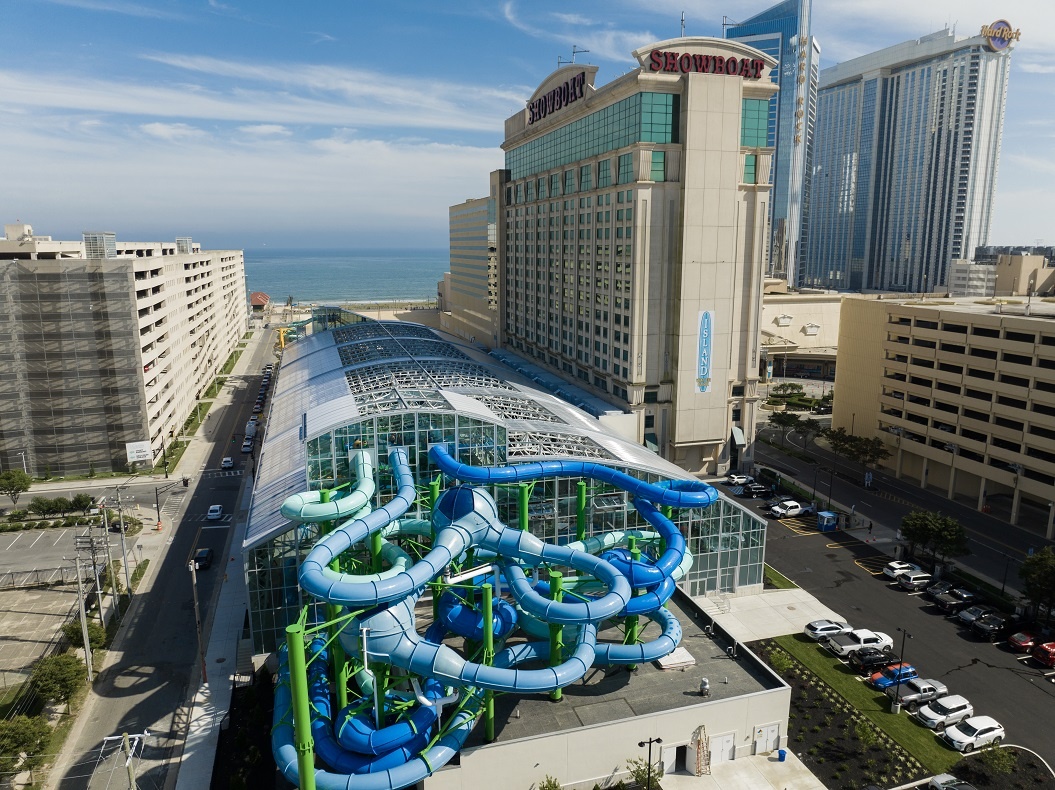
pixel 738 436
pixel 652 442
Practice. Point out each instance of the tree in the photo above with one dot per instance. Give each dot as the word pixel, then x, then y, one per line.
pixel 58 677
pixel 643 777
pixel 22 735
pixel 83 503
pixel 61 505
pixel 810 428
pixel 14 483
pixel 96 634
pixel 870 451
pixel 949 539
pixel 1038 578
pixel 839 440
pixel 42 506
pixel 786 421
pixel 918 529
pixel 787 389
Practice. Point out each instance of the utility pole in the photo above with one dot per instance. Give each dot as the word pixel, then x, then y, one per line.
pixel 84 621
pixel 129 743
pixel 124 557
pixel 88 543
pixel 127 749
pixel 197 621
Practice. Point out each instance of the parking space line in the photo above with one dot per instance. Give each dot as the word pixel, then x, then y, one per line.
pixel 34 543
pixel 62 534
pixel 12 543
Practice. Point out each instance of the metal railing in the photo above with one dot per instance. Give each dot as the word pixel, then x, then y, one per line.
pixel 45 577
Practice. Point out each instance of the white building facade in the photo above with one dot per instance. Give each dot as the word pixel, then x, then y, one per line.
pixel 632 239
pixel 108 350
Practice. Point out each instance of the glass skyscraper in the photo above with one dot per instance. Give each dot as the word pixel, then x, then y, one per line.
pixel 783 31
pixel 905 162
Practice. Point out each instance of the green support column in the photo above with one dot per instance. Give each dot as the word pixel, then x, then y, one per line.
pixel 633 627
pixel 556 631
pixel 338 659
pixel 580 510
pixel 488 659
pixel 667 511
pixel 522 516
pixel 375 552
pixel 298 687
pixel 437 590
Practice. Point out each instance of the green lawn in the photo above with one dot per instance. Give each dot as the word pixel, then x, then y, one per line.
pixel 917 740
pixel 778 579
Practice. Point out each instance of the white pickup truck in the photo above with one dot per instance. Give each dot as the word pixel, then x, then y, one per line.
pixel 844 644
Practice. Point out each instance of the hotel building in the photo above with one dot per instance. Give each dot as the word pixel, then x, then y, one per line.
pixel 632 240
pixel 470 295
pixel 784 32
pixel 109 343
pixel 963 394
pixel 905 161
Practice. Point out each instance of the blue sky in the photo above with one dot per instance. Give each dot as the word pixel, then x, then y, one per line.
pixel 356 124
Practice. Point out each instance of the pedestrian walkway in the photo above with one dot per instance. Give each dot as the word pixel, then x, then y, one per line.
pixel 771 613
pixel 757 772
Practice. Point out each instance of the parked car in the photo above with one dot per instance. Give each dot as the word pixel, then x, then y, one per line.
pixel 915 692
pixel 822 629
pixel 1023 641
pixel 822 408
pixel 247 446
pixel 971 733
pixel 995 625
pixel 972 613
pixel 755 490
pixel 227 462
pixel 202 559
pixel 257 409
pixel 892 675
pixel 938 588
pixel 895 568
pixel 944 711
pixel 956 599
pixel 215 513
pixel 791 508
pixel 949 782
pixel 871 659
pixel 737 479
pixel 1044 654
pixel 914 580
pixel 844 644
pixel 770 503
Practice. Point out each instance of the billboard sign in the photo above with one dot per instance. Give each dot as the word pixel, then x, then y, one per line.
pixel 138 451
pixel 705 351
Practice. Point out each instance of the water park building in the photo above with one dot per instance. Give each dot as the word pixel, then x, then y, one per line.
pixel 632 240
pixel 410 490
pixel 110 344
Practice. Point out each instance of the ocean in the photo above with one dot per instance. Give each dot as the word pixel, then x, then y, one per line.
pixel 344 276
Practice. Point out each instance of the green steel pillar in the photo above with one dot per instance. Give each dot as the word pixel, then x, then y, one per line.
pixel 298 686
pixel 375 552
pixel 523 495
pixel 633 628
pixel 489 654
pixel 667 511
pixel 580 510
pixel 437 590
pixel 338 659
pixel 556 631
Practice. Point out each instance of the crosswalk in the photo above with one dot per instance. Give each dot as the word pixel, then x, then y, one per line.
pixel 224 519
pixel 173 503
pixel 215 473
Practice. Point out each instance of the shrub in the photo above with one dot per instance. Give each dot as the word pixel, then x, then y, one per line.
pixel 73 634
pixel 549 783
pixel 642 773
pixel 17 515
pixel 998 761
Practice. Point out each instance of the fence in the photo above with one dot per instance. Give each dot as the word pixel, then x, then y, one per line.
pixel 45 577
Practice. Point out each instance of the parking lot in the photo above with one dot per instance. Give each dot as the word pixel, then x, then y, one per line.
pixel 846 574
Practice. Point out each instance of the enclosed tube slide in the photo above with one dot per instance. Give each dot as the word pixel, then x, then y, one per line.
pixel 309 506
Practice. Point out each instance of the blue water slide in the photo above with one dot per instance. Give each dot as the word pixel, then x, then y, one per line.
pixel 676 493
pixel 408 773
pixel 461 618
pixel 309 506
pixel 653 649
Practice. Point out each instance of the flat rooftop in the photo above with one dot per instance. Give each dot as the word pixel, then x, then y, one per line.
pixel 612 693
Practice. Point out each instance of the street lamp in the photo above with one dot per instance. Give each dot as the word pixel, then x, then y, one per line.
pixel 831 482
pixel 23 454
pixel 895 706
pixel 648 743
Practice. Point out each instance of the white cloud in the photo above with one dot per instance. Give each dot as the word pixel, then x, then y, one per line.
pixel 265 130
pixel 603 42
pixel 118 7
pixel 172 131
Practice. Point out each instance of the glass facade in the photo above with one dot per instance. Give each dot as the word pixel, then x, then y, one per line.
pixel 641 118
pixel 727 541
pixel 754 123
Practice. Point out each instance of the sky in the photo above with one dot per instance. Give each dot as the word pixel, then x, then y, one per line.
pixel 354 124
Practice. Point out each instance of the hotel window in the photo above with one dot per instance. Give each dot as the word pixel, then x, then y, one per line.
pixel 569 181
pixel 749 169
pixel 626 168
pixel 554 185
pixel 585 177
pixel 604 173
pixel 659 164
pixel 754 121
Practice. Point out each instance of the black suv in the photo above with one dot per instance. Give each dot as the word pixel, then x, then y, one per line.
pixel 870 659
pixel 938 588
pixel 995 625
pixel 955 600
pixel 755 490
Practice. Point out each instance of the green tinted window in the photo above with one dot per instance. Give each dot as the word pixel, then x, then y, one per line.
pixel 659 162
pixel 644 117
pixel 749 169
pixel 626 168
pixel 604 173
pixel 754 123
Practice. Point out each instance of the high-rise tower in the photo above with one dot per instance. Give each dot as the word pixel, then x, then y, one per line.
pixel 905 160
pixel 783 31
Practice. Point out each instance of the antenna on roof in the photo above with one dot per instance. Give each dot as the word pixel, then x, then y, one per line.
pixel 728 22
pixel 574 51
pixel 683 24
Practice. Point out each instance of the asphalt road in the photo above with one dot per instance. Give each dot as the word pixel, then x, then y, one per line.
pixel 1017 692
pixel 147 687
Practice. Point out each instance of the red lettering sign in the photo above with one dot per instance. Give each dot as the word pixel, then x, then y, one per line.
pixel 561 96
pixel 690 63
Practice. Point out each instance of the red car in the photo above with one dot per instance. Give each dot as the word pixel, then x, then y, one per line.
pixel 1045 654
pixel 1023 641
